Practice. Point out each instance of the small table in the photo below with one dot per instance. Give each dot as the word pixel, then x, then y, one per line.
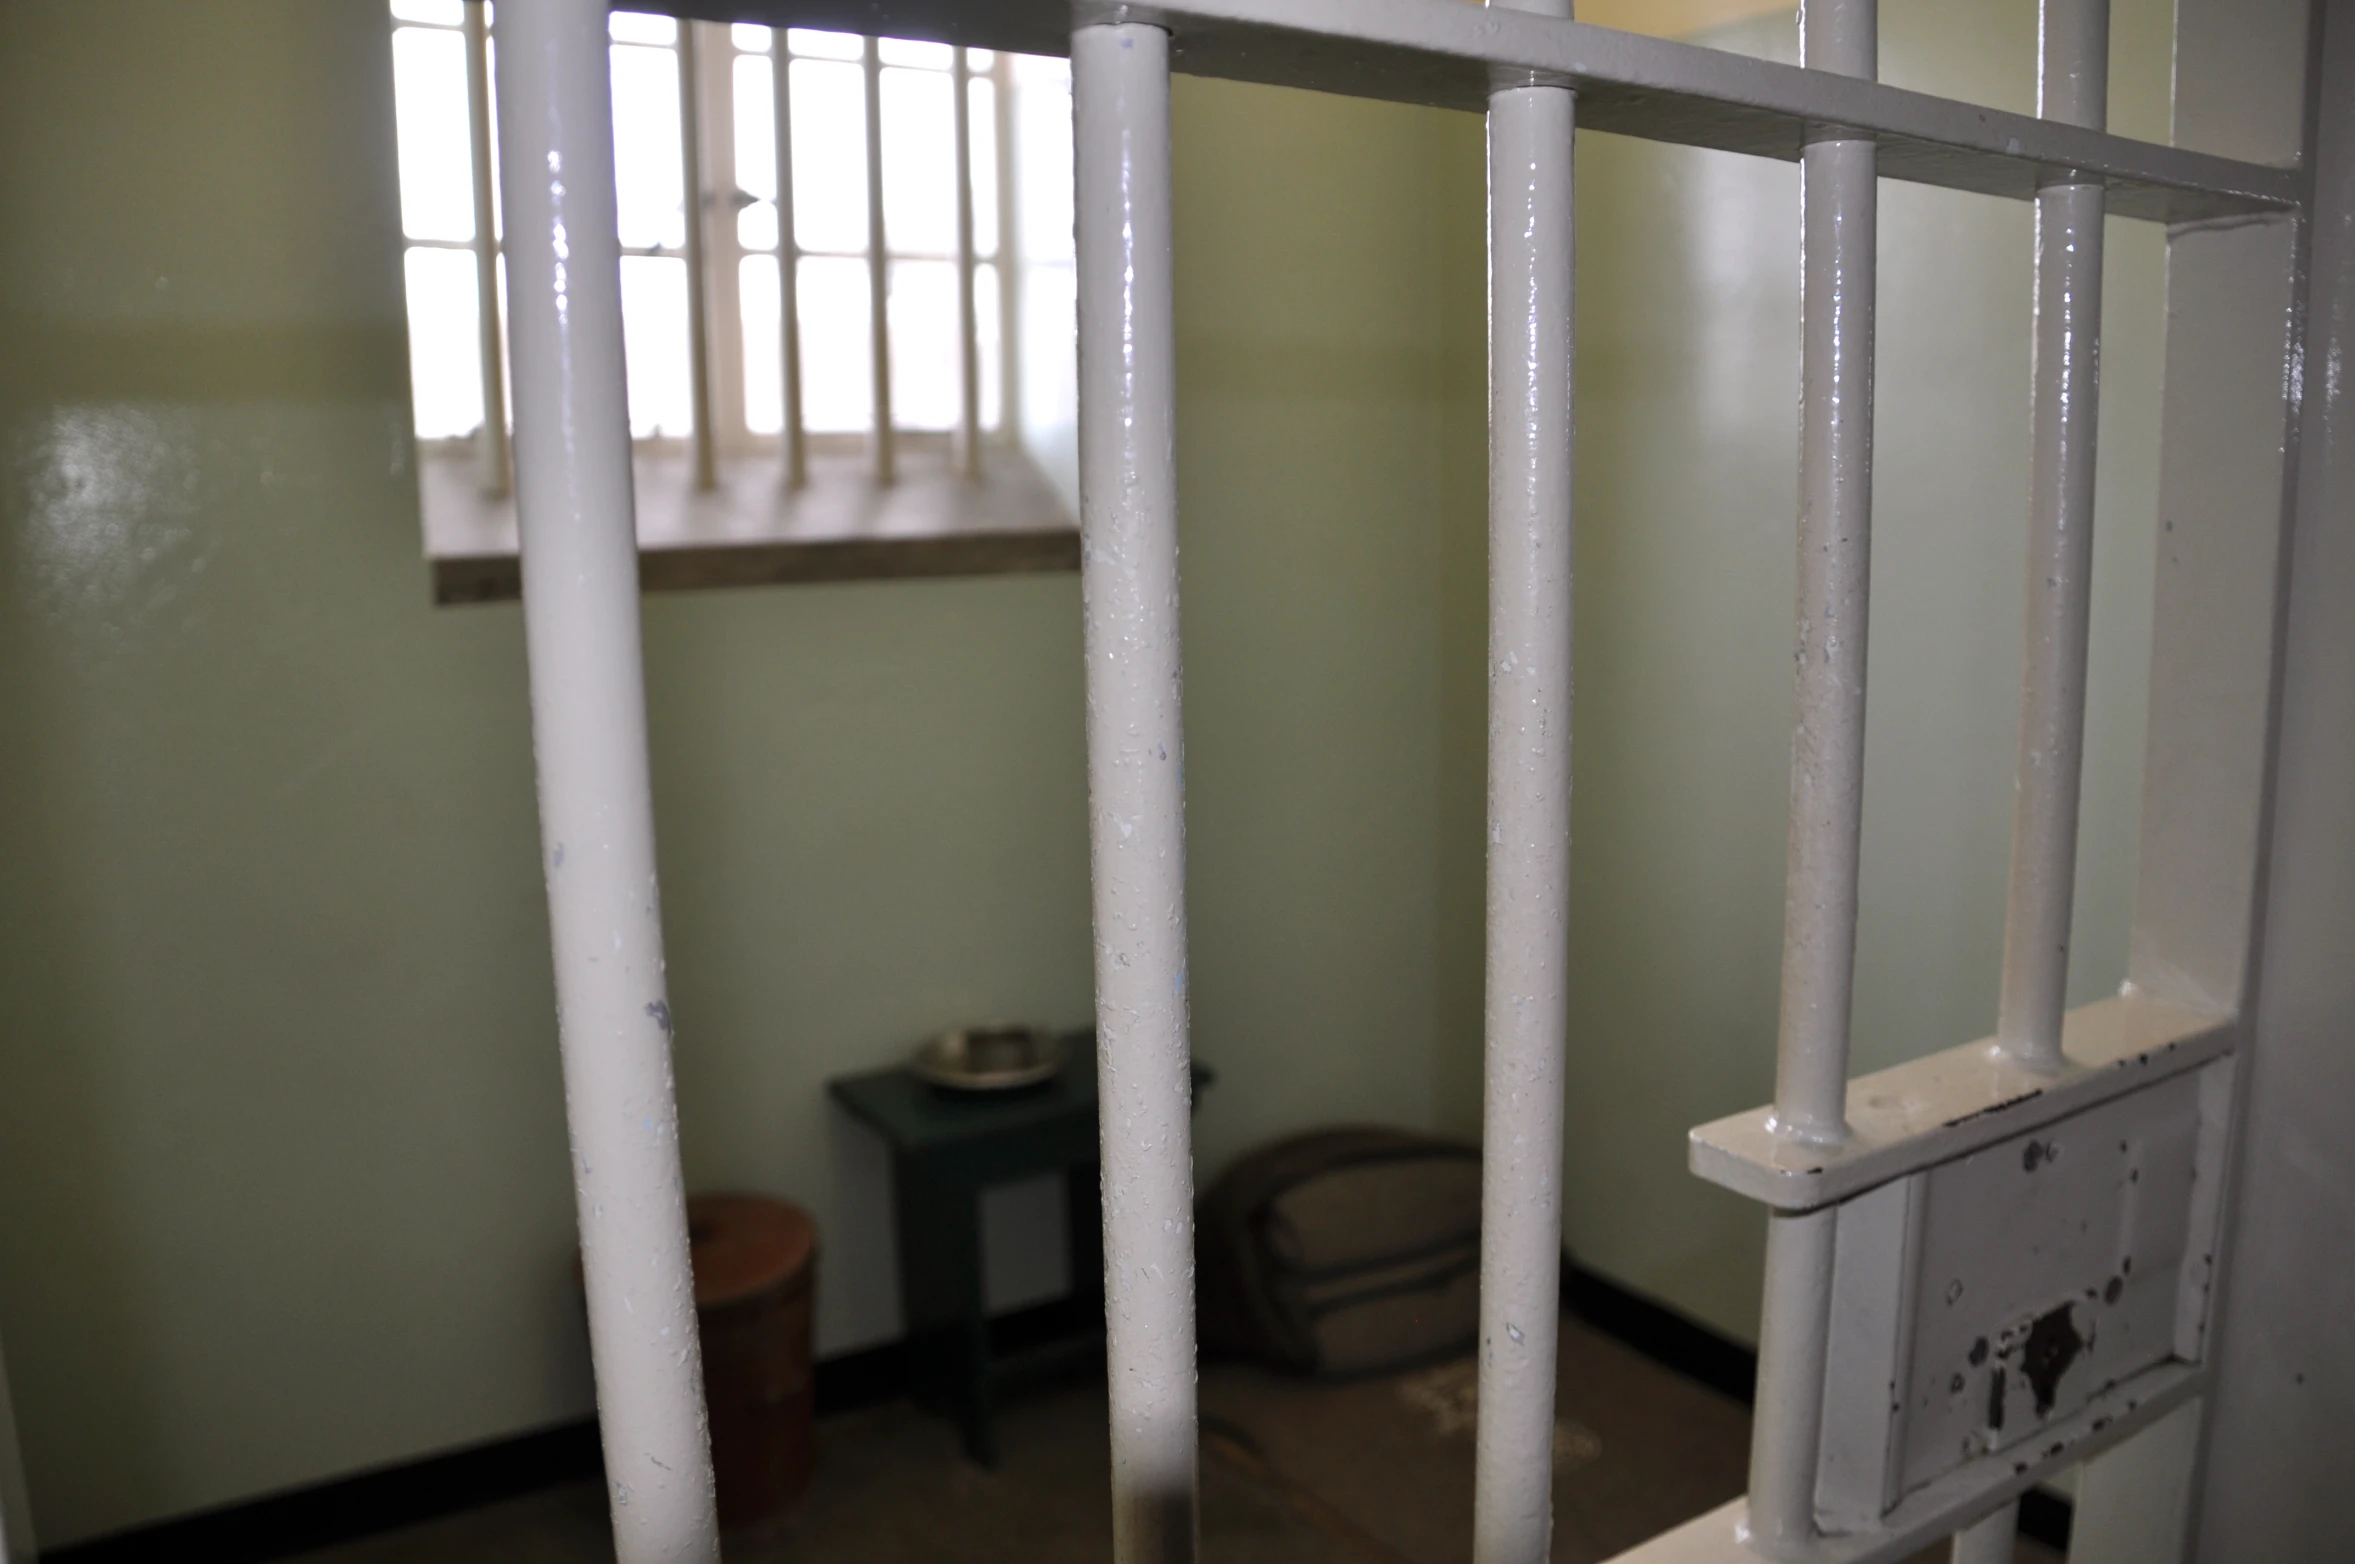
pixel 946 1148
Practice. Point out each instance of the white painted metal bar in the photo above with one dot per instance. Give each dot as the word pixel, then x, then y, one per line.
pixel 795 434
pixel 968 327
pixel 1838 211
pixel 2072 85
pixel 1838 206
pixel 1794 1336
pixel 491 450
pixel 878 273
pixel 1009 278
pixel 1136 801
pixel 2073 69
pixel 580 599
pixel 1451 56
pixel 1530 258
pixel 696 213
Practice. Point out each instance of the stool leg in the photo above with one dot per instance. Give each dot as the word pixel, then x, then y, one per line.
pixel 1083 1196
pixel 939 1223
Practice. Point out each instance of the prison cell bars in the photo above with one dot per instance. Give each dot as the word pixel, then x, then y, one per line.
pixel 1839 198
pixel 2072 85
pixel 593 751
pixel 794 436
pixel 1136 800
pixel 575 509
pixel 1529 697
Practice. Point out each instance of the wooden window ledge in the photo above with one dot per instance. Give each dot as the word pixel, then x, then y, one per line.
pixel 751 531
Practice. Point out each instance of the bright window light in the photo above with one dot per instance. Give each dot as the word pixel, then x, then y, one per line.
pixel 826 46
pixel 638 27
pixel 829 156
pixel 827 241
pixel 919 162
pixel 429 107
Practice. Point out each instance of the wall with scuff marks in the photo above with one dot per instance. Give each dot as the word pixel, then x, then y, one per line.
pixel 283 1185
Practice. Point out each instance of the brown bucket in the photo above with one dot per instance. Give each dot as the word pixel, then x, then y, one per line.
pixel 755 1262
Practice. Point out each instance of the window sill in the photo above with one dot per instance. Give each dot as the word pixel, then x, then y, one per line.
pixel 750 531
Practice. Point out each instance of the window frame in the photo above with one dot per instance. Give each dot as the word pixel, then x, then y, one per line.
pixel 713 253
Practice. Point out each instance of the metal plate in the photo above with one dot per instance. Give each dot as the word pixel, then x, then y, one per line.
pixel 1982 1303
pixel 990 1058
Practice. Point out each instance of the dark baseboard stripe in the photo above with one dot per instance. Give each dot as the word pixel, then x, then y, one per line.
pixel 331 1512
pixel 1661 1334
pixel 348 1508
pixel 1727 1366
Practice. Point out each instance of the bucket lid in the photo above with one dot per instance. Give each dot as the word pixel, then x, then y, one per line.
pixel 744 1245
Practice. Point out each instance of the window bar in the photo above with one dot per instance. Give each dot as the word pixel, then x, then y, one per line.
pixel 696 212
pixel 878 271
pixel 968 328
pixel 1530 231
pixel 1009 282
pixel 795 434
pixel 580 601
pixel 1838 210
pixel 1136 801
pixel 2072 86
pixel 491 449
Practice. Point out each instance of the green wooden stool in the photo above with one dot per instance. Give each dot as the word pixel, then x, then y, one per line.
pixel 946 1148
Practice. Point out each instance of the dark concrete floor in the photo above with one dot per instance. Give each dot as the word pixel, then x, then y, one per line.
pixel 1374 1472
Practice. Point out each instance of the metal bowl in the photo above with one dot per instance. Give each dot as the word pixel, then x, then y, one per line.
pixel 990 1058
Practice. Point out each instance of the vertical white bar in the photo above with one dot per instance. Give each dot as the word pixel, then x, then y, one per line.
pixel 1838 200
pixel 491 448
pixel 795 435
pixel 1838 214
pixel 696 215
pixel 1793 1344
pixel 2072 76
pixel 968 327
pixel 1136 799
pixel 2072 85
pixel 1008 275
pixel 878 272
pixel 580 603
pixel 1529 700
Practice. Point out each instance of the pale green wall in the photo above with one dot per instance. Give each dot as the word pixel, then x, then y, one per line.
pixel 283 1185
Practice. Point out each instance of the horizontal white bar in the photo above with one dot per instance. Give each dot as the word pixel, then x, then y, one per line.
pixel 1961 1496
pixel 1926 1111
pixel 1453 55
